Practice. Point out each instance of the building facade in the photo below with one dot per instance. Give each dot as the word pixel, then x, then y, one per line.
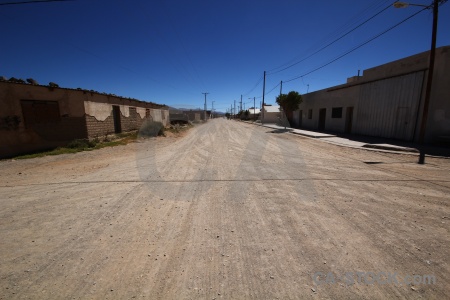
pixel 271 114
pixel 386 101
pixel 36 117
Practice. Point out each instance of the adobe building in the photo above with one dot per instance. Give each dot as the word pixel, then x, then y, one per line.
pixel 36 117
pixel 386 101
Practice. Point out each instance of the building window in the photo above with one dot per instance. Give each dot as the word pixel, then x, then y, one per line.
pixel 309 113
pixel 336 112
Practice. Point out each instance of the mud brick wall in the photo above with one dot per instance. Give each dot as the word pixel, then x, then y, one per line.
pixel 130 123
pixel 97 128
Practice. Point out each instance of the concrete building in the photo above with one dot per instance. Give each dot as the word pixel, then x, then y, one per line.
pixel 271 114
pixel 35 117
pixel 253 113
pixel 386 101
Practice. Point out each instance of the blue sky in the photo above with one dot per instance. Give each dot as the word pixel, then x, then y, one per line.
pixel 170 51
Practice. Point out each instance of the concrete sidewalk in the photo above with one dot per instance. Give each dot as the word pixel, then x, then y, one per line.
pixel 333 139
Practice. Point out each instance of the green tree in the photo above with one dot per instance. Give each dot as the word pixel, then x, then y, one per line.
pixel 289 103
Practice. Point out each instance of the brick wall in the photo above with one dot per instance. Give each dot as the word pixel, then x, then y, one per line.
pixel 97 128
pixel 130 123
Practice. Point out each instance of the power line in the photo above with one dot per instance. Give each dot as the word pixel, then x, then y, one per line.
pixel 36 1
pixel 256 85
pixel 332 35
pixel 273 89
pixel 331 43
pixel 359 46
pixel 374 6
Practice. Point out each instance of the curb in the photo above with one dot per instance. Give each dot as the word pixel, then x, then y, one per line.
pixel 369 147
pixel 390 148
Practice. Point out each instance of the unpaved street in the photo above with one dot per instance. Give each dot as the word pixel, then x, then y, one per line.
pixel 228 211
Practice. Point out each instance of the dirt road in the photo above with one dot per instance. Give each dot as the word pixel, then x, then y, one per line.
pixel 229 211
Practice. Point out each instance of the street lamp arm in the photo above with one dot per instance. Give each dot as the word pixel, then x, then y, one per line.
pixel 400 4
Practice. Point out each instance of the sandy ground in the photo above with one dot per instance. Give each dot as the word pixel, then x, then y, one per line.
pixel 228 211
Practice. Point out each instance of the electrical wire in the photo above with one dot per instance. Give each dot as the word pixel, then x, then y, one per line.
pixel 361 16
pixel 359 46
pixel 332 35
pixel 331 43
pixel 256 85
pixel 36 1
pixel 265 94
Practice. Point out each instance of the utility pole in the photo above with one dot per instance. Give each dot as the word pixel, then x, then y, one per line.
pixel 235 109
pixel 264 91
pixel 205 103
pixel 281 108
pixel 254 108
pixel 212 108
pixel 241 103
pixel 426 103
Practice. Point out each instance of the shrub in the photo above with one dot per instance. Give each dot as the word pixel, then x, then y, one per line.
pixel 82 144
pixel 151 129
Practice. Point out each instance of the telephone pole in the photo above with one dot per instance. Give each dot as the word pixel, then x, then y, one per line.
pixel 254 108
pixel 264 91
pixel 235 109
pixel 205 103
pixel 429 82
pixel 241 103
pixel 281 87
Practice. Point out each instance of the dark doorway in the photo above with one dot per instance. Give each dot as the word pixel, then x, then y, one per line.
pixel 322 116
pixel 349 120
pixel 116 117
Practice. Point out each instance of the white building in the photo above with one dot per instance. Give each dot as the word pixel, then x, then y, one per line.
pixel 387 101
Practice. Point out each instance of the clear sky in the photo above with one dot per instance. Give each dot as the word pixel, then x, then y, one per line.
pixel 171 51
